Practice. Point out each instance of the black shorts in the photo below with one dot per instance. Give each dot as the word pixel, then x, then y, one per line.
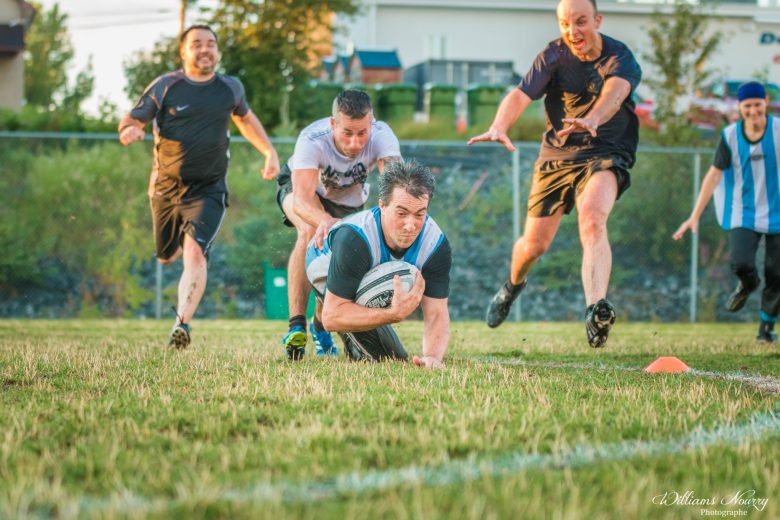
pixel 558 183
pixel 199 217
pixel 284 188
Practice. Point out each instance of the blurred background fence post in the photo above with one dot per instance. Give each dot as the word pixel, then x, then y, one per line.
pixel 694 296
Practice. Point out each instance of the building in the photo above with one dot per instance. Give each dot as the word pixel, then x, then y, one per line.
pixel 367 67
pixel 515 31
pixel 15 16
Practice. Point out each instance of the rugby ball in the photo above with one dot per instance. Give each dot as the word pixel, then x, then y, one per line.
pixel 376 288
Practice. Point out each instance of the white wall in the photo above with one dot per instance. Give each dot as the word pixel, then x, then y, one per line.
pixel 11 67
pixel 511 31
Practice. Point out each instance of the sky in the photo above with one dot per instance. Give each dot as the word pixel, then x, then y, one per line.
pixel 110 31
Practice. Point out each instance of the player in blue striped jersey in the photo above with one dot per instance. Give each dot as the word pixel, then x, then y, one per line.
pixel 745 181
pixel 398 229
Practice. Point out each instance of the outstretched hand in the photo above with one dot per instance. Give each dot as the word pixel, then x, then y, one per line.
pixel 322 231
pixel 427 362
pixel 495 137
pixel 692 224
pixel 579 124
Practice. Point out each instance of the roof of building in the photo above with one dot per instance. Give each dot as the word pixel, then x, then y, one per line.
pixel 370 59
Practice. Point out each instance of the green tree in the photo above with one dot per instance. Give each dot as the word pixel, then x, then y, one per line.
pixel 144 66
pixel 273 46
pixel 47 57
pixel 681 45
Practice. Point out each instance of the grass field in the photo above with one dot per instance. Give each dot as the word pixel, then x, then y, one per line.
pixel 97 420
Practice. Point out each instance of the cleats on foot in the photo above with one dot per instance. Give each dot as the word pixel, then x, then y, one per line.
pixel 599 319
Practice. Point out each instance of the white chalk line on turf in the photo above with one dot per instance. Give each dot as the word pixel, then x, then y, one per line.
pixel 758 426
pixel 765 383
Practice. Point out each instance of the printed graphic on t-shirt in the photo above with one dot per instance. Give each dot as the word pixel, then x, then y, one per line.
pixel 334 179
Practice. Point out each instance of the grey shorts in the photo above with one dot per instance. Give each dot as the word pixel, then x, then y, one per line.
pixel 284 188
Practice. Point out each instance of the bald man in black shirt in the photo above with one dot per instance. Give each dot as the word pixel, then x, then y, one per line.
pixel 190 110
pixel 586 79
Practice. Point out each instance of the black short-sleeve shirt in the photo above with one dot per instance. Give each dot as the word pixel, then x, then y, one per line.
pixel 571 88
pixel 351 260
pixel 191 126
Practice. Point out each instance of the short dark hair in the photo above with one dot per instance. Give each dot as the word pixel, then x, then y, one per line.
pixel 412 176
pixel 354 104
pixel 205 27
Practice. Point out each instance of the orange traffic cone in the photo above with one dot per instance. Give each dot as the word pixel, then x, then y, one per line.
pixel 667 365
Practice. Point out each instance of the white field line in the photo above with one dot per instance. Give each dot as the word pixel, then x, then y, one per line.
pixel 764 383
pixel 758 426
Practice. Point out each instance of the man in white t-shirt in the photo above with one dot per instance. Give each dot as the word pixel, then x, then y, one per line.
pixel 324 181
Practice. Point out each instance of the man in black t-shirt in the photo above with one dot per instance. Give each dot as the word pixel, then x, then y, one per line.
pixel 190 110
pixel 591 139
pixel 398 229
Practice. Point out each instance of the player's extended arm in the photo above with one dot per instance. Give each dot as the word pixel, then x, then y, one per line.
pixel 615 91
pixel 252 129
pixel 436 336
pixel 342 315
pixel 708 186
pixel 130 130
pixel 306 203
pixel 511 108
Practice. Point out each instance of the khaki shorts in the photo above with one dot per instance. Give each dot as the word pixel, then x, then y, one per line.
pixel 558 183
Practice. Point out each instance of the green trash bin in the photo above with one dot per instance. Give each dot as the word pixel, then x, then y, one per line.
pixel 398 101
pixel 375 93
pixel 275 283
pixel 440 102
pixel 314 100
pixel 483 101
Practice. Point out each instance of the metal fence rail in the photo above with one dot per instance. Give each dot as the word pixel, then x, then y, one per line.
pixel 480 203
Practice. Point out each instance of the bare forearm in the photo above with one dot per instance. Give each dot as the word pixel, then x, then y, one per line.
pixel 128 121
pixel 510 110
pixel 351 317
pixel 252 129
pixel 310 209
pixel 615 91
pixel 436 337
pixel 708 186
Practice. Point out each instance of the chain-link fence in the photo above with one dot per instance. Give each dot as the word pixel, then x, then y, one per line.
pixel 76 235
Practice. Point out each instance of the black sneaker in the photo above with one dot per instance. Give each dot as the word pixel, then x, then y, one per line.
pixel 599 318
pixel 766 332
pixel 499 306
pixel 180 336
pixel 738 298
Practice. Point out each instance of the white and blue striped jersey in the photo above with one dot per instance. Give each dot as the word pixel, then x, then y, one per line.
pixel 748 195
pixel 367 224
pixel 430 253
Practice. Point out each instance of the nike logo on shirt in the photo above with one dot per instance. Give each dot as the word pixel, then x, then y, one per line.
pixel 179 109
